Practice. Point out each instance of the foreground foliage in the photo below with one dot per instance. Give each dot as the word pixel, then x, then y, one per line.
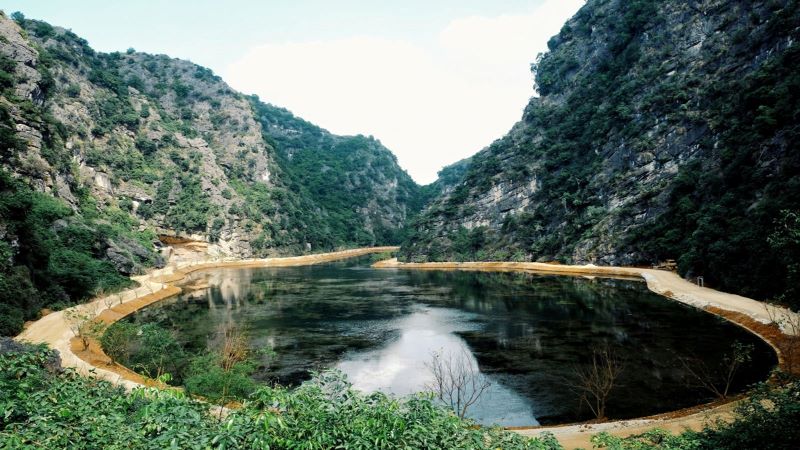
pixel 42 406
pixel 45 409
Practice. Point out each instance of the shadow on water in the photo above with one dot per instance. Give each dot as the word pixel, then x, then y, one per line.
pixel 526 332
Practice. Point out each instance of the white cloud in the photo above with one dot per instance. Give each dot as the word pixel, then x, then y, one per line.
pixel 431 105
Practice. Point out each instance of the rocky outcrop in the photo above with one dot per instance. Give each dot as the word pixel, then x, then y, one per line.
pixel 126 255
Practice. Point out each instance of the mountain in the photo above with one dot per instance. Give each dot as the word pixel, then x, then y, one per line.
pixel 662 130
pixel 106 156
pixel 354 181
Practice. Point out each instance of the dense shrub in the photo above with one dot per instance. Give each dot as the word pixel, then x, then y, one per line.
pixel 43 409
pixel 207 376
pixel 147 349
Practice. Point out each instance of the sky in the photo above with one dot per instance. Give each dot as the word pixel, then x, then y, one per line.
pixel 435 81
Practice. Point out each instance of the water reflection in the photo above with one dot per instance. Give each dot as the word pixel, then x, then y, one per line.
pixel 525 332
pixel 401 366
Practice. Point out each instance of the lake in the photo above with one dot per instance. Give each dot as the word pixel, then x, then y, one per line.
pixel 527 333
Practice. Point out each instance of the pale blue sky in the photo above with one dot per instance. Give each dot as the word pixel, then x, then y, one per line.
pixel 434 80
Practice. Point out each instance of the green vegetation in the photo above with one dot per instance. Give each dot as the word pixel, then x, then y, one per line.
pixel 46 409
pixel 53 256
pixel 224 374
pixel 149 350
pixel 214 378
pixel 341 177
pixel 375 257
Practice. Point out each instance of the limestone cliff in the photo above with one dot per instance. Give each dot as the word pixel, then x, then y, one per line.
pixel 662 130
pixel 110 161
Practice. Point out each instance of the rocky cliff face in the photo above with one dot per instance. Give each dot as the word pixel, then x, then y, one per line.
pixel 171 144
pixel 662 130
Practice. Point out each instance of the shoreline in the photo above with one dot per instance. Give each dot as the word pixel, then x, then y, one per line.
pixel 751 315
pixel 53 329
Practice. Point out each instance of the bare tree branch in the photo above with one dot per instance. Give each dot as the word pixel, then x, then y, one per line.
pixel 456 381
pixel 595 381
pixel 719 379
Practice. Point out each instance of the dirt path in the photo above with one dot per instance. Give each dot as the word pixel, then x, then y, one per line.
pixel 748 313
pixel 54 329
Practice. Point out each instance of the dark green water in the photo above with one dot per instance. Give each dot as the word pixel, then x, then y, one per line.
pixel 525 332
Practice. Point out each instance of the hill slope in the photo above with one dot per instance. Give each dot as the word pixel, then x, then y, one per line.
pixel 103 153
pixel 663 130
pixel 354 180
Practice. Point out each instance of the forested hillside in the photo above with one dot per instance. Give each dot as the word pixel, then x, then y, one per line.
pixel 354 181
pixel 103 153
pixel 662 130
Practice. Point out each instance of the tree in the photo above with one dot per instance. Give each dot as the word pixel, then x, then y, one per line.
pixel 224 375
pixel 456 380
pixel 18 17
pixel 83 323
pixel 107 299
pixel 155 351
pixel 595 381
pixel 718 379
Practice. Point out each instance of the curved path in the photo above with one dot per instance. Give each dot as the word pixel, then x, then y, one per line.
pixel 753 315
pixel 54 329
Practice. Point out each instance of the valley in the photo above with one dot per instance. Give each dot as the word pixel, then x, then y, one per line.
pixel 185 265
